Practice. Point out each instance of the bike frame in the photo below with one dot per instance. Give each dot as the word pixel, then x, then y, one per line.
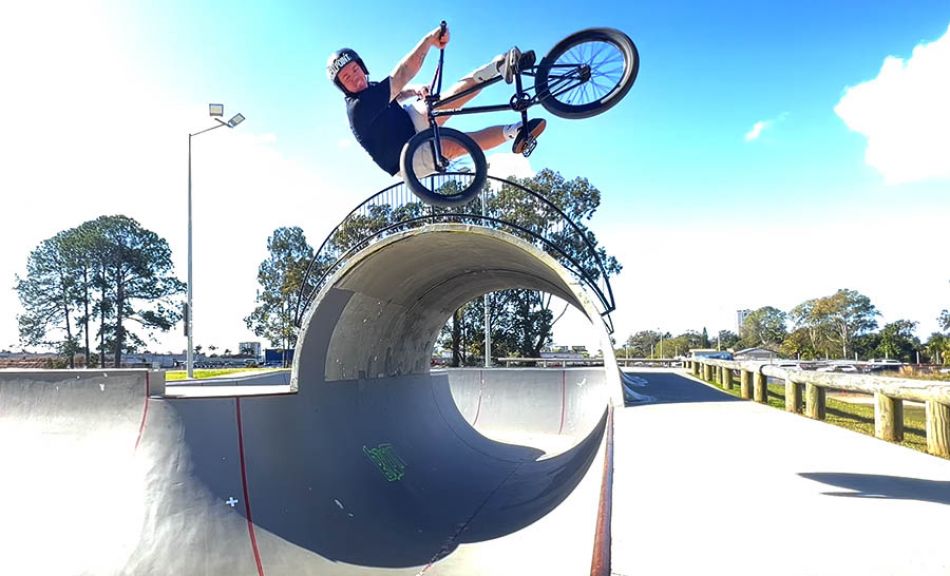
pixel 437 107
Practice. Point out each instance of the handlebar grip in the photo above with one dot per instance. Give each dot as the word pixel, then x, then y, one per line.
pixel 442 27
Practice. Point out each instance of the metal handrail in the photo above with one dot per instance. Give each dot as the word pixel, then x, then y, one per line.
pixel 395 209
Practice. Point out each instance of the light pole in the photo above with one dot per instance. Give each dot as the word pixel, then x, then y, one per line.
pixel 216 111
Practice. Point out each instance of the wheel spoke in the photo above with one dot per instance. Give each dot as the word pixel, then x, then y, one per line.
pixel 606 64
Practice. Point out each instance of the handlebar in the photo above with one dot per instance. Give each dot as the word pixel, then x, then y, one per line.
pixel 436 86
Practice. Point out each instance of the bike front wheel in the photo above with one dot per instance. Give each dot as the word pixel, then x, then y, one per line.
pixel 587 73
pixel 452 178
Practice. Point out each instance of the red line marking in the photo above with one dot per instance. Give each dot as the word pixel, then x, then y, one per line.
pixel 563 399
pixel 247 499
pixel 600 563
pixel 144 410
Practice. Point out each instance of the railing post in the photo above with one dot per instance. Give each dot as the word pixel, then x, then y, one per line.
pixel 793 396
pixel 707 372
pixel 695 368
pixel 888 417
pixel 745 377
pixel 938 429
pixel 727 378
pixel 814 402
pixel 760 386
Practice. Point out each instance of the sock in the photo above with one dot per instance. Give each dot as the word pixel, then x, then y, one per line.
pixel 488 71
pixel 511 130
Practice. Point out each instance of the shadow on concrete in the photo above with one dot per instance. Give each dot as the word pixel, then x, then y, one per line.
pixel 312 483
pixel 888 487
pixel 670 388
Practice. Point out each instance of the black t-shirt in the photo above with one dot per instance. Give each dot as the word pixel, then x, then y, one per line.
pixel 380 125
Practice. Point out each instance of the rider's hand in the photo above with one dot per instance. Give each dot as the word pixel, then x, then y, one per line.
pixel 434 37
pixel 421 91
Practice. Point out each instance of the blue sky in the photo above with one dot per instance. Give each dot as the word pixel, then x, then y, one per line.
pixel 768 153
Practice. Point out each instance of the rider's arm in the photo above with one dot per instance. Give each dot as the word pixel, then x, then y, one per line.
pixel 412 91
pixel 407 69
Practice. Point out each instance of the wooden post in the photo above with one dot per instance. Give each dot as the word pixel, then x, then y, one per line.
pixel 793 396
pixel 761 389
pixel 727 378
pixel 707 372
pixel 814 402
pixel 888 417
pixel 938 429
pixel 746 384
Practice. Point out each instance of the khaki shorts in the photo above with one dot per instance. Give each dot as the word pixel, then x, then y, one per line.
pixel 423 163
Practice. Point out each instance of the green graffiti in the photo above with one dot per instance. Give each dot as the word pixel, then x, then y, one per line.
pixel 384 457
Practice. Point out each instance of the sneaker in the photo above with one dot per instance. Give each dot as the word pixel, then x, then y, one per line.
pixel 509 64
pixel 526 61
pixel 535 128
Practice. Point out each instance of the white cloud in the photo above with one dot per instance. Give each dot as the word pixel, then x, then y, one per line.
pixel 505 164
pixel 905 114
pixel 756 130
pixel 345 143
pixel 762 125
pixel 93 135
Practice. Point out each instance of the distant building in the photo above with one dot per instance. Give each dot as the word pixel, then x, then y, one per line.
pixel 741 315
pixel 252 349
pixel 756 354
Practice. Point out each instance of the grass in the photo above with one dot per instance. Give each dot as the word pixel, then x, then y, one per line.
pixel 857 417
pixel 175 375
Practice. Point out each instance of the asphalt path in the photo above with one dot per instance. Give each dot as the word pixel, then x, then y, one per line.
pixel 708 484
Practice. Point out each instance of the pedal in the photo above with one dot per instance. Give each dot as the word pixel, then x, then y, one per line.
pixel 529 147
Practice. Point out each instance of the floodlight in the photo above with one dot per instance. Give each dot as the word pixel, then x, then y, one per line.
pixel 235 120
pixel 216 109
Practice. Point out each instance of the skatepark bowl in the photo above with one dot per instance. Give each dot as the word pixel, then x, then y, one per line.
pixel 361 460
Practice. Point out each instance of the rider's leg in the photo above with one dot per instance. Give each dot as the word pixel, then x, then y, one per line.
pixel 459 87
pixel 487 72
pixel 493 136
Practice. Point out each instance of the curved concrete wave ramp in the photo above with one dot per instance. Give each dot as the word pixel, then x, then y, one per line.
pixel 361 461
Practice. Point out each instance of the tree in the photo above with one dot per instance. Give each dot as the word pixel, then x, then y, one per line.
pixel 136 276
pixel 938 348
pixel 727 339
pixel 898 341
pixel 642 344
pixel 281 277
pixel 834 322
pixel 525 317
pixel 851 314
pixel 944 320
pixel 764 327
pixel 48 294
pixel 130 269
pixel 800 343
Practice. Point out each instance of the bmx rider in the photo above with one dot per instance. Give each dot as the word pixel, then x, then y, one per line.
pixel 384 115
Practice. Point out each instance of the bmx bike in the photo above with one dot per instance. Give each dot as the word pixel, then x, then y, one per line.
pixel 585 74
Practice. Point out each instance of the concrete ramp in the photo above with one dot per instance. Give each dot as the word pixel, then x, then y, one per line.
pixel 361 461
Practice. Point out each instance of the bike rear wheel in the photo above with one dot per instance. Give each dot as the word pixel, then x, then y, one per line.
pixel 444 183
pixel 587 73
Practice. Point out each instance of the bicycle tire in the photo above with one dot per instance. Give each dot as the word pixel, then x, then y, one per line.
pixel 431 188
pixel 551 88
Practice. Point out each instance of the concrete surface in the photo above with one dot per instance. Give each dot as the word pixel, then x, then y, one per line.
pixel 359 461
pixel 709 484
